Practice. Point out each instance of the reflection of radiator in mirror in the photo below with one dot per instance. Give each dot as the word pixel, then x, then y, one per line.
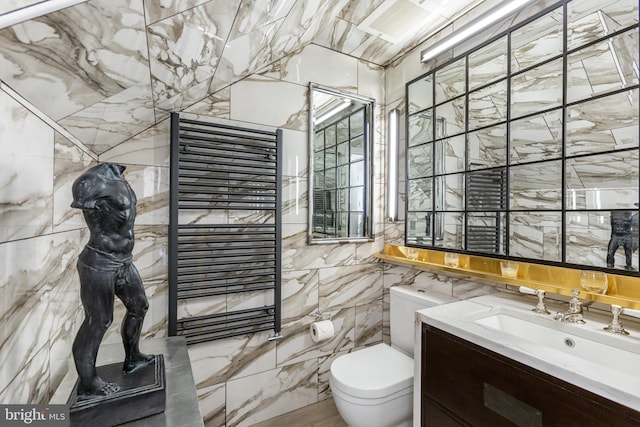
pixel 486 192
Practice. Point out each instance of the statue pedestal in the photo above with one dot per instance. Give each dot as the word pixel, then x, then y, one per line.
pixel 182 400
pixel 141 394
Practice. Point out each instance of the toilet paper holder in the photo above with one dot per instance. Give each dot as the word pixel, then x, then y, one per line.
pixel 322 316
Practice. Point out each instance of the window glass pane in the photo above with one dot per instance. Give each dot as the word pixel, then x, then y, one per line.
pixel 488 63
pixel 537 41
pixel 536 235
pixel 449 192
pixel 343 153
pixel 357 174
pixel 420 128
pixel 486 190
pixel 604 124
pixel 356 224
pixel 536 186
pixel 486 232
pixel 537 138
pixel 420 194
pixel 330 157
pixel 450 154
pixel 589 20
pixel 537 89
pixel 357 149
pixel 318 141
pixel 588 237
pixel 450 118
pixel 603 181
pixel 488 105
pixel 342 200
pixel 450 81
pixel 330 136
pixel 421 94
pixel 419 226
pixel 343 176
pixel 449 232
pixel 357 124
pixel 420 161
pixel 604 67
pixel 488 147
pixel 342 130
pixel 356 199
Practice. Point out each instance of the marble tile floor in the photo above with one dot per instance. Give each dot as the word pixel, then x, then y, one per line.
pixel 321 414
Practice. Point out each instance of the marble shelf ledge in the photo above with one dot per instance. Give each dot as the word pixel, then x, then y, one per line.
pixel 623 290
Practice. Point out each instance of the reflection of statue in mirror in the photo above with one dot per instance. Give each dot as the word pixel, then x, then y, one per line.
pixel 624 232
pixel 108 204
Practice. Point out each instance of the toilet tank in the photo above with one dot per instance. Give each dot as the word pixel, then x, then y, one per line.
pixel 404 302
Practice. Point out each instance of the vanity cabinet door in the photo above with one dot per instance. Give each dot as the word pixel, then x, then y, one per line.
pixel 477 387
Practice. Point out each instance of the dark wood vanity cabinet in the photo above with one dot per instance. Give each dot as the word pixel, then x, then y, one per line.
pixel 467 385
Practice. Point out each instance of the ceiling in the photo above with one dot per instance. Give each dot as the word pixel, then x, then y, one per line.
pixel 107 69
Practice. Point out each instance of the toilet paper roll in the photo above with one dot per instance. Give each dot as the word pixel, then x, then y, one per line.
pixel 322 330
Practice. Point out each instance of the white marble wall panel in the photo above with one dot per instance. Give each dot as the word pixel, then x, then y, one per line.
pixel 349 286
pixel 185 48
pixel 369 323
pixel 151 185
pixel 324 367
pixel 486 147
pixel 270 102
pixel 585 19
pixel 297 344
pixel 450 81
pixel 70 162
pixel 157 10
pixel 537 41
pixel 32 382
pixel 488 105
pixel 39 285
pixel 215 105
pixel 27 172
pixel 488 63
pixel 535 235
pixel 298 255
pixel 212 401
pixel 150 147
pixel 217 362
pixel 81 57
pixel 113 120
pixel 310 66
pixel 531 189
pixel 268 394
pixel 536 138
pixel 537 89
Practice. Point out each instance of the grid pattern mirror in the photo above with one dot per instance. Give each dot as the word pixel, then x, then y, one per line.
pixel 340 150
pixel 527 146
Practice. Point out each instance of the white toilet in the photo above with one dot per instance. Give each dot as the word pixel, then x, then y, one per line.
pixel 373 387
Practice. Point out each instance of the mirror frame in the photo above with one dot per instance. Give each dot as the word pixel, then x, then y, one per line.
pixel 368 105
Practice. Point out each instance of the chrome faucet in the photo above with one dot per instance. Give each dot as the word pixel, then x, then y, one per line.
pixel 574 313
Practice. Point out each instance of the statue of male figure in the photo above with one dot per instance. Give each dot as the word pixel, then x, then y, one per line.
pixel 108 204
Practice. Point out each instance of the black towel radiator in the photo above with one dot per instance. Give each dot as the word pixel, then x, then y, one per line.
pixel 217 169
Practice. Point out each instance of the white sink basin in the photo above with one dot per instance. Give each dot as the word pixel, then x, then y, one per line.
pixel 575 343
pixel 584 355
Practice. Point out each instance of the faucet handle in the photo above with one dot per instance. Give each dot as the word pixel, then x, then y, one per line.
pixel 615 327
pixel 575 306
pixel 541 307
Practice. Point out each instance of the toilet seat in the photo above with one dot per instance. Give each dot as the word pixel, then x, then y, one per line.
pixel 372 372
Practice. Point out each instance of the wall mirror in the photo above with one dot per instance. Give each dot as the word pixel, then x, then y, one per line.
pixel 340 127
pixel 532 151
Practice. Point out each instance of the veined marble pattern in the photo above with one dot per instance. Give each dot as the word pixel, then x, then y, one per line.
pixel 450 81
pixel 537 41
pixel 535 235
pixel 488 63
pixel 454 154
pixel 620 168
pixel 27 179
pixel 450 118
pixel 488 105
pixel 420 161
pixel 420 194
pixel 604 67
pixel 11 5
pixel 536 138
pixel 420 127
pixel 451 187
pixel 271 393
pixel 185 48
pixel 487 147
pixel 349 286
pixel 537 89
pixel 212 402
pixel 451 230
pixel 585 19
pixel 603 124
pixel 531 189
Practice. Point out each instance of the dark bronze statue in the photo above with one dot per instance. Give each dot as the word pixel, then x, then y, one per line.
pixel 624 232
pixel 106 270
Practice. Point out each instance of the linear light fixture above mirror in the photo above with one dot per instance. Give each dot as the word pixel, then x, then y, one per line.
pixel 35 10
pixel 477 25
